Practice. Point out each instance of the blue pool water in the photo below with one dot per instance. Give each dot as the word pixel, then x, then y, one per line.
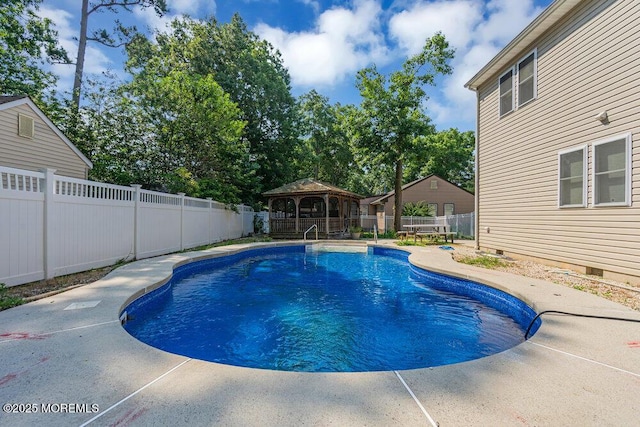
pixel 287 309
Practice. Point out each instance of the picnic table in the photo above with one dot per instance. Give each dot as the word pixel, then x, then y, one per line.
pixel 438 229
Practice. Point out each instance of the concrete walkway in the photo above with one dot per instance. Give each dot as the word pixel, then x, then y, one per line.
pixel 67 360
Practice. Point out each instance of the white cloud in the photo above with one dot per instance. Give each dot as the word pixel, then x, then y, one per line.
pixel 190 7
pixel 476 29
pixel 343 41
pixel 152 21
pixel 177 8
pixel 315 5
pixel 455 19
pixel 506 18
pixel 96 62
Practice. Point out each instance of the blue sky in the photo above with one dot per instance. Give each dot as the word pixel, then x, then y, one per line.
pixel 324 43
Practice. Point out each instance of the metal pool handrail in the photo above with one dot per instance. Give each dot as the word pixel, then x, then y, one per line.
pixel 309 229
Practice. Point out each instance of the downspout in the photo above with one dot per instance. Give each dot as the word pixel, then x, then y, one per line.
pixel 477 175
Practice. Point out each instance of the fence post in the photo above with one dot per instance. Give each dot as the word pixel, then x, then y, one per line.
pixel 47 256
pixel 210 221
pixel 181 220
pixel 136 219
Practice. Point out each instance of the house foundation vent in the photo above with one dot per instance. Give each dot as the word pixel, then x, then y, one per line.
pixel 591 271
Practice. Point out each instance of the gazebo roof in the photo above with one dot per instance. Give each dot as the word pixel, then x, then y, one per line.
pixel 309 186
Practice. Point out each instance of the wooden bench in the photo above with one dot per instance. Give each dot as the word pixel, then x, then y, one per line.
pixel 402 235
pixel 444 231
pixel 428 234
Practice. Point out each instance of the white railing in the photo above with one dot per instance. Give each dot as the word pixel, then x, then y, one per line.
pixel 52 225
pixel 20 180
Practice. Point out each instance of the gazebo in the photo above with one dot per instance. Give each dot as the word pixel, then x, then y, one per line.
pixel 296 207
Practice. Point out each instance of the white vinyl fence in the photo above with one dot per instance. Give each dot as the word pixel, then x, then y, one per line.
pixel 463 224
pixel 52 225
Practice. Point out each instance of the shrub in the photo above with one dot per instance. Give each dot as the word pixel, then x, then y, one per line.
pixel 6 300
pixel 420 208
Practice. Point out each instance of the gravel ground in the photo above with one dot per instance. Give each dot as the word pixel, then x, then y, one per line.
pixel 622 293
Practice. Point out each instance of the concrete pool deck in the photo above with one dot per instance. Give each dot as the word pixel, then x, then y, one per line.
pixel 62 354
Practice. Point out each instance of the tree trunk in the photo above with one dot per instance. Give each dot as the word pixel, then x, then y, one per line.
pixel 397 212
pixel 82 47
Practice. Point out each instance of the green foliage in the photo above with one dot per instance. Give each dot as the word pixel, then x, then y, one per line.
pixel 325 153
pixel 420 208
pixel 27 44
pixel 390 234
pixel 411 242
pixel 6 300
pixel 448 154
pixel 258 224
pixel 250 71
pixel 392 119
pixel 483 261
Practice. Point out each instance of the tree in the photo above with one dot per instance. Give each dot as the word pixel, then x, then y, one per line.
pixel 325 153
pixel 27 44
pixel 177 133
pixel 449 154
pixel 251 71
pixel 102 36
pixel 392 109
pixel 117 135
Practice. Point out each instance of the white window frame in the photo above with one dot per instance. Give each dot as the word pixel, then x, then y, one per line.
pixel 584 149
pixel 535 77
pixel 627 177
pixel 444 208
pixel 511 70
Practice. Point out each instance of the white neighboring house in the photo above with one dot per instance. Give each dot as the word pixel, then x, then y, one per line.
pixel 29 140
pixel 558 140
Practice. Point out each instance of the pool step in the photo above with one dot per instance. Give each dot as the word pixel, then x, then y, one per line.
pixel 337 248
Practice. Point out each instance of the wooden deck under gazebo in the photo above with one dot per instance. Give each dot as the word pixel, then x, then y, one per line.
pixel 294 208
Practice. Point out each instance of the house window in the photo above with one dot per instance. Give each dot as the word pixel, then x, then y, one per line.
pixel 527 71
pixel 434 184
pixel 433 209
pixel 506 92
pixel 448 209
pixel 612 172
pixel 572 188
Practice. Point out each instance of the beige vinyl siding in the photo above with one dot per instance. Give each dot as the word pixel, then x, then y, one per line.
pixel 445 193
pixel 44 150
pixel 589 63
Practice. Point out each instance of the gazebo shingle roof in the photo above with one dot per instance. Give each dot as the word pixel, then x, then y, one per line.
pixel 309 186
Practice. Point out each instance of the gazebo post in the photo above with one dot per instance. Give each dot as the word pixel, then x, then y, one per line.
pixel 341 212
pixel 326 212
pixel 269 217
pixel 296 200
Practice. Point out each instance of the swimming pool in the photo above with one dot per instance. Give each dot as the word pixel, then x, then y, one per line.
pixel 288 308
